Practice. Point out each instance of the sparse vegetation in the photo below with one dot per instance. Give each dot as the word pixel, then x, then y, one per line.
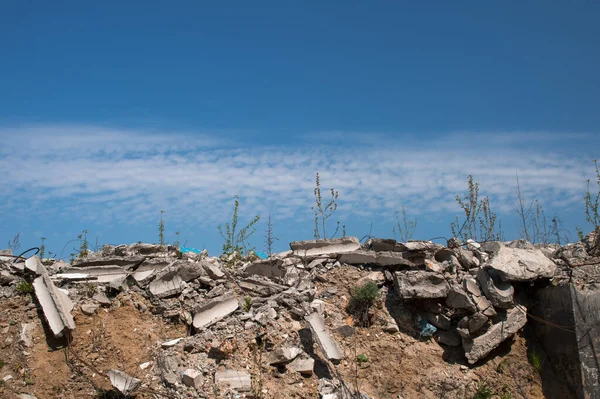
pixel 592 211
pixel 236 240
pixel 269 237
pixel 161 229
pixel 247 305
pixel 483 391
pixel 405 227
pixel 480 222
pixel 362 299
pixel 15 244
pixel 362 358
pixel 23 287
pixel 324 211
pixel 535 360
pixel 83 249
pixel 176 243
pixel 43 248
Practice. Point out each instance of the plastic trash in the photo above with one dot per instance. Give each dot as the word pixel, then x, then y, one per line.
pixel 427 330
pixel 261 255
pixel 185 249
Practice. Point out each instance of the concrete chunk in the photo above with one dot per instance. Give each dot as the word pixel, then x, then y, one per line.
pixel 214 310
pixel 123 382
pixel 325 247
pixel 192 378
pixel 166 286
pixel 458 299
pixel 515 264
pixel 283 355
pixel 55 304
pixel 479 347
pixel 375 258
pixel 500 293
pixel 237 379
pixel 419 284
pixel 302 366
pixel 329 347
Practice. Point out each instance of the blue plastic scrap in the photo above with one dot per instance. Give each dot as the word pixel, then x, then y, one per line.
pixel 261 255
pixel 185 249
pixel 427 330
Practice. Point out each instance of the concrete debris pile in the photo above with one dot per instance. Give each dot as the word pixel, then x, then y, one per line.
pixel 473 294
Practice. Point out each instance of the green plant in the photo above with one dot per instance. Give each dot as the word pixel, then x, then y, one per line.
pixel 83 249
pixel 235 241
pixel 161 230
pixel 480 220
pixel 592 211
pixel 535 360
pixel 362 358
pixel 483 391
pixel 247 305
pixel 362 299
pixel 15 244
pixel 2 364
pixel 43 248
pixel 176 243
pixel 269 237
pixel 24 287
pixel 323 211
pixel 406 228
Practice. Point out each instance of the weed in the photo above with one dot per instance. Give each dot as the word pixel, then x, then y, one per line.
pixel 43 248
pixel 176 243
pixel 2 364
pixel 480 220
pixel 535 360
pixel 161 229
pixel 323 212
pixel 361 301
pixel 406 228
pixel 362 358
pixel 14 245
pixel 270 238
pixel 592 210
pixel 344 231
pixel 88 289
pixel 12 323
pixel 247 305
pixel 83 249
pixel 483 391
pixel 24 287
pixel 235 241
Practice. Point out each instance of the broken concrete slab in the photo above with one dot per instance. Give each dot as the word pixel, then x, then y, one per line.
pixel 420 284
pixel 125 263
pixel 55 304
pixel 383 259
pixel 329 347
pixel 479 347
pixel 166 286
pixel 515 264
pixel 192 378
pixel 236 379
pixel 211 267
pixel 26 331
pixel 325 247
pixel 302 366
pixel 459 299
pixel 271 268
pixel 471 286
pixel 438 320
pixel 214 310
pixel 261 286
pixel 500 293
pixel 102 299
pixel 123 382
pixel 283 355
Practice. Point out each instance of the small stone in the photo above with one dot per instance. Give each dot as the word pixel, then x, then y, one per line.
pixel 89 309
pixel 345 331
pixel 102 299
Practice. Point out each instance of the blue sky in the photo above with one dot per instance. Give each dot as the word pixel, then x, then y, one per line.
pixel 111 112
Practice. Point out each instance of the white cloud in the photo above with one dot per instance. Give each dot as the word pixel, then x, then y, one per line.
pixel 101 172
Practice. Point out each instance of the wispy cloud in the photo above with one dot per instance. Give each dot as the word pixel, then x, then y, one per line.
pixel 107 174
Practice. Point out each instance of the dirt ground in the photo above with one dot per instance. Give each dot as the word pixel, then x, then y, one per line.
pixel 126 334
